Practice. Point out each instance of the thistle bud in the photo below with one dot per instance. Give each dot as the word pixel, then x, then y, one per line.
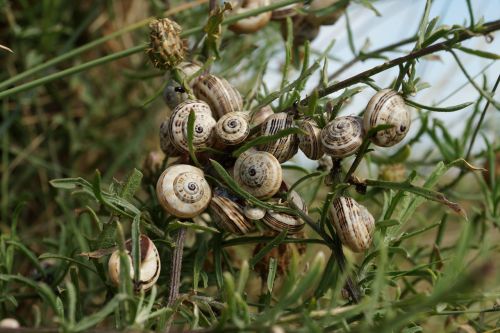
pixel 166 48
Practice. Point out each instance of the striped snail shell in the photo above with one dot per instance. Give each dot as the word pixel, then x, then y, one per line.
pixel 281 221
pixel 259 173
pixel 342 136
pixel 150 264
pixel 228 215
pixel 233 128
pixel 166 146
pixel 254 212
pixel 252 23
pixel 353 223
pixel 284 148
pixel 387 107
pixel 310 143
pixel 261 115
pixel 204 125
pixel 183 191
pixel 218 93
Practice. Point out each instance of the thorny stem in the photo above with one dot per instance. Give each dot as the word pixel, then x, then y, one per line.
pixel 175 272
pixel 446 45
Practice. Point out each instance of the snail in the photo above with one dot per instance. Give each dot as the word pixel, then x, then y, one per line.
pixel 183 191
pixel 310 143
pixel 287 11
pixel 165 144
pixel 259 173
pixel 204 124
pixel 218 93
pixel 261 115
pixel 228 215
pixel 233 128
pixel 279 221
pixel 303 30
pixel 342 136
pixel 253 212
pixel 387 107
pixel 330 16
pixel 285 147
pixel 252 23
pixel 150 264
pixel 174 94
pixel 353 223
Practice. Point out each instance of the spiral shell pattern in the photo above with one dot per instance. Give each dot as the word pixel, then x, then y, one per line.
pixel 204 125
pixel 183 191
pixel 218 93
pixel 353 223
pixel 284 148
pixel 281 221
pixel 310 143
pixel 233 128
pixel 387 107
pixel 228 216
pixel 342 136
pixel 258 173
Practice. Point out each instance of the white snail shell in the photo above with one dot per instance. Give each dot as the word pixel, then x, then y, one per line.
pixel 229 216
pixel 342 136
pixel 252 23
pixel 183 191
pixel 281 221
pixel 204 124
pixel 218 93
pixel 353 223
pixel 259 173
pixel 284 148
pixel 310 143
pixel 233 128
pixel 259 116
pixel 150 264
pixel 166 146
pixel 9 323
pixel 387 107
pixel 254 213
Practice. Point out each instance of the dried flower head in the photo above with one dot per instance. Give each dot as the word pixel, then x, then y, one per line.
pixel 166 48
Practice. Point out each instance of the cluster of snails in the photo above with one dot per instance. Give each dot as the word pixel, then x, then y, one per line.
pixel 306 19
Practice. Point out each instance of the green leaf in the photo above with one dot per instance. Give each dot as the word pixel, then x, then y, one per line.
pixel 172 226
pixel 136 247
pixel 271 274
pixel 423 23
pixel 213 28
pixel 190 137
pixel 439 109
pixel 68 259
pixel 106 238
pixel 132 184
pixel 479 53
pixel 269 246
pixel 266 139
pixel 100 315
pixel 199 260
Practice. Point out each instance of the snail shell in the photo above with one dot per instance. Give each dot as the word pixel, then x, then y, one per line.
pixel 252 23
pixel 259 173
pixel 284 12
pixel 261 115
pixel 328 18
pixel 218 93
pixel 303 30
pixel 254 213
pixel 353 223
pixel 166 146
pixel 233 128
pixel 387 107
pixel 284 148
pixel 173 94
pixel 229 216
pixel 9 323
pixel 310 143
pixel 281 221
pixel 342 136
pixel 183 191
pixel 150 264
pixel 204 125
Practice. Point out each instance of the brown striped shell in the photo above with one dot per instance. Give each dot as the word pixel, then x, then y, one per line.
pixel 387 107
pixel 258 173
pixel 218 93
pixel 283 148
pixel 310 143
pixel 150 264
pixel 233 128
pixel 261 115
pixel 342 136
pixel 252 23
pixel 183 191
pixel 204 125
pixel 228 215
pixel 280 221
pixel 353 223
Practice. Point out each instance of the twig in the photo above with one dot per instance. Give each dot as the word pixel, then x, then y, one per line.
pixel 446 45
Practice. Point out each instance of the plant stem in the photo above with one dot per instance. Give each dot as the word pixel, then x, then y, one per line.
pixel 446 45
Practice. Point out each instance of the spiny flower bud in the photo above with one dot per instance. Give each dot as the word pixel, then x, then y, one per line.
pixel 166 48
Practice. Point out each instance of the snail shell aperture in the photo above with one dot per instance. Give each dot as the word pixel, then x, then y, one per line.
pixel 342 136
pixel 183 191
pixel 387 107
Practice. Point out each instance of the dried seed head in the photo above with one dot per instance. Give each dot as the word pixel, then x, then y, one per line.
pixel 166 48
